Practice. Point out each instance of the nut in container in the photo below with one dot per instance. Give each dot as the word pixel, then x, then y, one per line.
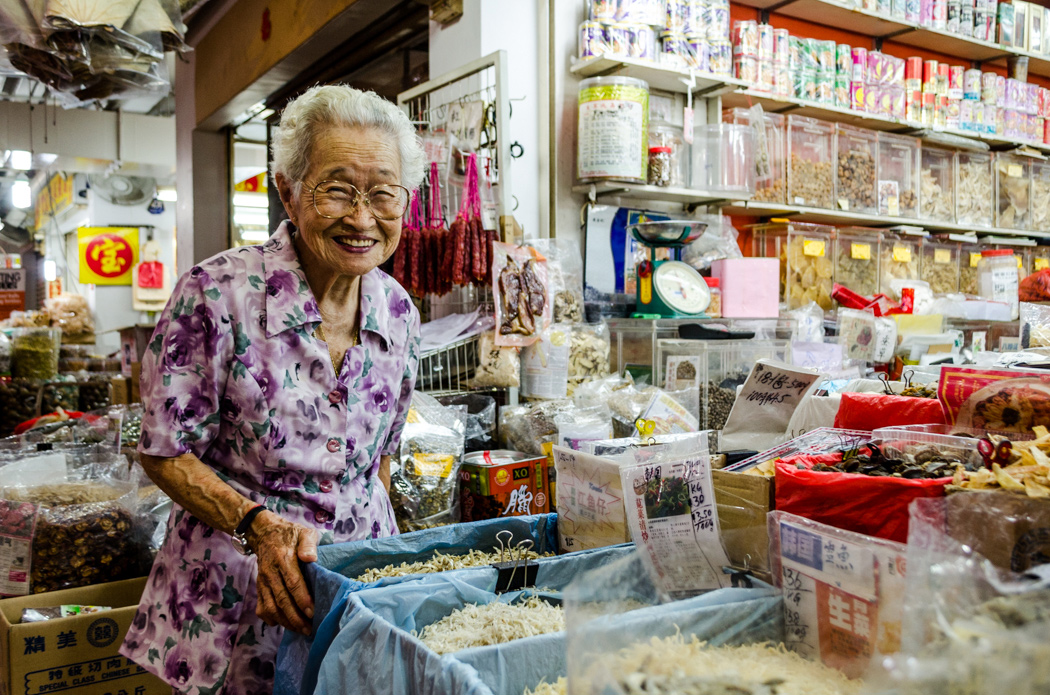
pixel 811 147
pixel 855 178
pixel 969 257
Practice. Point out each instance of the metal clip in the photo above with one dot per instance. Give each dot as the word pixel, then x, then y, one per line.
pixel 508 579
pixel 503 548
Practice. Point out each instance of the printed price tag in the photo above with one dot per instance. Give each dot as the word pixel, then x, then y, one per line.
pixel 1018 261
pixel 843 204
pixel 1014 170
pixel 942 256
pixel 902 254
pixel 813 247
pixel 860 252
pixel 975 258
pixel 893 206
pixel 1041 264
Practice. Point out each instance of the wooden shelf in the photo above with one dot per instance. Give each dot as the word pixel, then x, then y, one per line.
pixel 685 196
pixel 657 76
pixel 837 217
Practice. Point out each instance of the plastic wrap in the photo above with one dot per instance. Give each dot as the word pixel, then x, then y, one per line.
pixel 526 428
pixel 588 354
pixel 424 485
pixel 545 364
pixel 1035 325
pixel 498 367
pixel 810 320
pixel 580 426
pixel 565 275
pixel 970 628
pixel 718 242
pixel 480 421
pixel 520 286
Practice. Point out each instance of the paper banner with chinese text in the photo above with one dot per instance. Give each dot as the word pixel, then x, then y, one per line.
pixel 107 254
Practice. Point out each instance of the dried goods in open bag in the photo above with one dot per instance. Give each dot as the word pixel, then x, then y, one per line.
pixel 565 274
pixel 519 286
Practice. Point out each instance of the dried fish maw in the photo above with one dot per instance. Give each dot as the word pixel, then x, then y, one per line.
pixel 1005 480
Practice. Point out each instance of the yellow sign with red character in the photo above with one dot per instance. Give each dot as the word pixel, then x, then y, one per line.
pixel 107 254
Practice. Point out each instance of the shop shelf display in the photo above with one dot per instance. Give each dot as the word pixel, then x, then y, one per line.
pixel 858 252
pixel 855 174
pixel 937 184
pixel 1013 191
pixel 898 175
pixel 900 260
pixel 974 189
pixel 811 151
pixel 940 265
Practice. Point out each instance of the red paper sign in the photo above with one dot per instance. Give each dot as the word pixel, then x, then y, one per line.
pixel 847 627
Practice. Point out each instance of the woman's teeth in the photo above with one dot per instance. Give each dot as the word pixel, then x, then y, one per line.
pixel 360 243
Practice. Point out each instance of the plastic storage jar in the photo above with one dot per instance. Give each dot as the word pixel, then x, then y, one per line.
pixel 969 260
pixel 669 136
pixel 898 175
pixel 974 189
pixel 937 185
pixel 770 160
pixel 1013 191
pixel 34 352
pixel 855 174
pixel 997 278
pixel 940 265
pixel 807 269
pixel 811 151
pixel 714 309
pixel 900 261
pixel 857 256
pixel 723 159
pixel 612 130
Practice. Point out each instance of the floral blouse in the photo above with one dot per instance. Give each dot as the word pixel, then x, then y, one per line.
pixel 234 375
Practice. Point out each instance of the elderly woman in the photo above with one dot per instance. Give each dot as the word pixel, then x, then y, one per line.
pixel 275 388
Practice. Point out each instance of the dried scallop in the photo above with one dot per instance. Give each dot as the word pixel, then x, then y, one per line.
pixel 810 274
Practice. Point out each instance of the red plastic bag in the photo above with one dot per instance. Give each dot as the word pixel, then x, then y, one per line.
pixel 1036 287
pixel 874 506
pixel 870 411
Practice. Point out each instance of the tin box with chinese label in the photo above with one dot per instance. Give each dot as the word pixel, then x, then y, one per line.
pixel 502 483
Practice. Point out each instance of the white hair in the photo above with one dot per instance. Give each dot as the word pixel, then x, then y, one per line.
pixel 339 105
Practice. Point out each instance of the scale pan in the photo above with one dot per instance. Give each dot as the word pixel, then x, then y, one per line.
pixel 668 232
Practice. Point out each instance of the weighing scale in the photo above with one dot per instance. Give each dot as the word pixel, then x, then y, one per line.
pixel 669 289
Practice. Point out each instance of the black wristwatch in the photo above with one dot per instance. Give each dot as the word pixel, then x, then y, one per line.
pixel 239 537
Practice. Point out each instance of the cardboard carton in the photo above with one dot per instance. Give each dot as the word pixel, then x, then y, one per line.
pixel 77 654
pixel 743 501
pixel 1012 531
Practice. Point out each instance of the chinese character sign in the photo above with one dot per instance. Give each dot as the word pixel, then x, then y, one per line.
pixel 107 254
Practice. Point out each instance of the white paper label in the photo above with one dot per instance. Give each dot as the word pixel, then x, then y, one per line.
pixel 673 521
pixel 670 416
pixel 545 366
pixel 590 502
pixel 610 139
pixel 683 372
pixel 762 411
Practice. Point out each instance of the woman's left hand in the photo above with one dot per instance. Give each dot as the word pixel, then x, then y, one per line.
pixel 283 596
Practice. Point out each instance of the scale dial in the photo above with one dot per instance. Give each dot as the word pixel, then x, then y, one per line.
pixel 681 288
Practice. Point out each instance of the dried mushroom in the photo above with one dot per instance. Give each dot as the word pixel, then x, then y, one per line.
pixel 856 180
pixel 1013 202
pixel 973 203
pixel 810 273
pixel 588 356
pixel 567 308
pixel 1041 204
pixel 811 183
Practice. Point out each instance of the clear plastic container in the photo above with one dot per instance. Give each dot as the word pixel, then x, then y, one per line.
pixel 959 443
pixel 771 163
pixel 670 136
pixel 1040 196
pixel 937 184
pixel 34 352
pixel 900 258
pixel 969 258
pixel 940 265
pixel 719 366
pixel 898 175
pixel 1022 257
pixel 855 175
pixel 805 253
pixel 857 255
pixel 1013 191
pixel 1040 258
pixel 811 151
pixel 714 309
pixel 997 278
pixel 974 189
pixel 723 159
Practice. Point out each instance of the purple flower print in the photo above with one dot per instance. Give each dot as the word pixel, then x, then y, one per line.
pixel 177 669
pixel 399 305
pixel 282 281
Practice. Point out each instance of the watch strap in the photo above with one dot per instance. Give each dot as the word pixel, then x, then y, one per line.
pixel 246 523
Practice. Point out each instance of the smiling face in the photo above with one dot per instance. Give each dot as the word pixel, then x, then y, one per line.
pixel 356 243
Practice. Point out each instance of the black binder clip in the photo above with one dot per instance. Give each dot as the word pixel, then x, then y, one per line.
pixel 741 579
pixel 518 573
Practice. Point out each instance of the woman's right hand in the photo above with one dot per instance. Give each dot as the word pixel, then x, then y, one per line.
pixel 283 597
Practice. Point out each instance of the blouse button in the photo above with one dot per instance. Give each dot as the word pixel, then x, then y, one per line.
pixel 325 486
pixel 321 516
pixel 335 397
pixel 333 445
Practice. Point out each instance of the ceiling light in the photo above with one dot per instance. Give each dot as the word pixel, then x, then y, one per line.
pixel 250 200
pixel 251 218
pixel 168 195
pixel 50 270
pixel 21 194
pixel 21 160
pixel 254 235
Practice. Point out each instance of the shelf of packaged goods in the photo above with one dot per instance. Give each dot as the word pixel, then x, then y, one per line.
pixel 685 196
pixel 861 21
pixel 840 218
pixel 658 77
pixel 745 98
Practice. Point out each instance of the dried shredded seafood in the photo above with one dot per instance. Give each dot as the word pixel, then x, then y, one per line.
pixel 1028 472
pixel 559 687
pixel 674 665
pixel 443 563
pixel 492 623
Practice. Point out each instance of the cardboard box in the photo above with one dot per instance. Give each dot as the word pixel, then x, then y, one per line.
pixel 743 501
pixel 133 343
pixel 78 653
pixel 133 382
pixel 121 390
pixel 1012 531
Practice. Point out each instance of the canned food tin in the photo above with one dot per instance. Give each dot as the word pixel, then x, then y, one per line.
pixel 955 81
pixel 782 81
pixel 641 42
pixel 857 95
pixel 954 107
pixel 1032 99
pixel 617 39
pixel 966 115
pixel 842 91
pixel 913 106
pixel 844 60
pixel 592 40
pixel 912 11
pixel 694 17
pixel 745 69
pixel 1015 94
pixel 1046 131
pixel 1000 90
pixel 809 85
pixel 871 98
pixel 993 119
pixel 929 76
pixel 765 75
pixel 603 10
pixel 988 87
pixel 781 46
pixel 721 57
pixel 860 64
pixel 972 85
pixel 718 23
pixel 765 42
pixel 826 87
pixel 503 483
pixel 826 51
pixel 674 50
pixel 675 16
pixel 745 39
pixel 794 53
pixel 699 52
pixel 651 12
pixel 810 54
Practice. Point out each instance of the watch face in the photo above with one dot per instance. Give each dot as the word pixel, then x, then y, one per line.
pixel 681 288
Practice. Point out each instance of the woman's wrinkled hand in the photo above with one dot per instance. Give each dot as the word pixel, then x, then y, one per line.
pixel 283 597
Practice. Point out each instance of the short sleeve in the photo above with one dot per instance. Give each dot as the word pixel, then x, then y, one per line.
pixel 184 370
pixel 408 383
